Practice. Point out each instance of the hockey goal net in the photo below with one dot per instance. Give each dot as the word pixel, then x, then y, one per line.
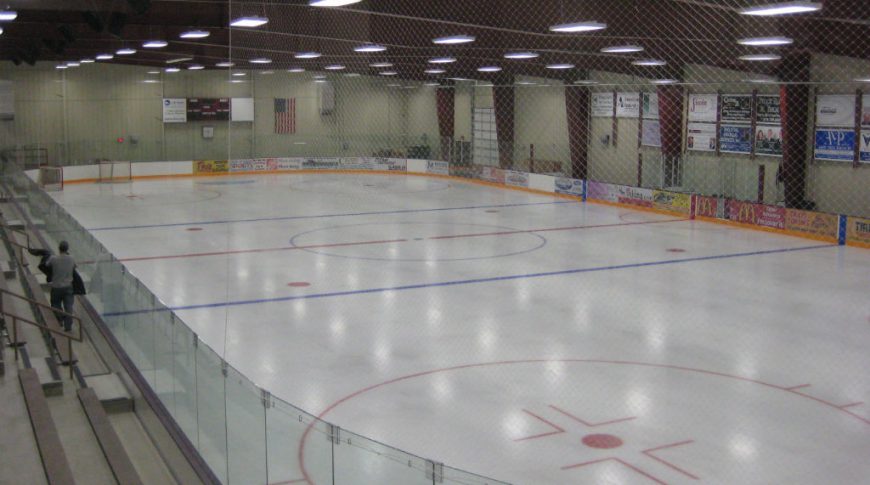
pixel 51 178
pixel 115 171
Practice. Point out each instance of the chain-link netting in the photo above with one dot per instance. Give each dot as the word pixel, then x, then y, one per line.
pixel 524 338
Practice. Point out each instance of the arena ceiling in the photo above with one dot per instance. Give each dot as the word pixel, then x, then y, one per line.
pixel 679 32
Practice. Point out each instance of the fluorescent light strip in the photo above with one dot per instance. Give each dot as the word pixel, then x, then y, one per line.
pixel 195 67
pixel 334 67
pixel 664 81
pixel 180 59
pixel 260 60
pixel 8 15
pixel 454 39
pixel 578 27
pixel 87 61
pixel 249 22
pixel 560 66
pixel 621 49
pixel 784 8
pixel 195 34
pixel 435 71
pixel 521 55
pixel 295 70
pixel 239 74
pixel 307 55
pixel 331 3
pixel 73 64
pixel 381 64
pixel 125 51
pixel 172 69
pixel 765 41
pixel 649 62
pixel 105 57
pixel 760 57
pixel 225 64
pixel 442 60
pixel 388 73
pixel 155 44
pixel 489 69
pixel 369 48
pixel 61 66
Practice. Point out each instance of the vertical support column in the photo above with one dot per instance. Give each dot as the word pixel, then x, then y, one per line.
pixel 445 101
pixel 503 96
pixel 794 107
pixel 577 102
pixel 671 116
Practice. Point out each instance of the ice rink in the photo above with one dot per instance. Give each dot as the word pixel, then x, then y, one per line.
pixel 528 338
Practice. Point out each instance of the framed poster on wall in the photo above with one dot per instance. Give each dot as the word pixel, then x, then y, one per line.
pixel 768 141
pixel 703 107
pixel 602 105
pixel 767 110
pixel 736 108
pixel 835 110
pixel 836 145
pixel 650 106
pixel 701 137
pixel 627 105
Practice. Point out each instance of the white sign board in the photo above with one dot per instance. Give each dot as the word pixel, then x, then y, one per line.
pixel 701 137
pixel 835 110
pixel 703 107
pixel 242 109
pixel 175 110
pixel 627 105
pixel 602 105
pixel 650 106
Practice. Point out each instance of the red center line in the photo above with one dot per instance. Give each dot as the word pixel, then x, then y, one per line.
pixel 390 241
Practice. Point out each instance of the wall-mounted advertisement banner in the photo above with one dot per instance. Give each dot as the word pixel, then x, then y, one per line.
pixel 356 164
pixel 835 110
pixel 175 110
pixel 284 163
pixel 210 166
pixel 321 163
pixel 492 174
pixel 736 108
pixel 672 201
pixel 865 147
pixel 439 168
pixel 735 139
pixel 757 214
pixel 813 223
pixel 858 230
pixel 569 186
pixel 516 179
pixel 701 137
pixel 768 141
pixel 713 207
pixel 702 107
pixel 838 145
pixel 602 105
pixel 650 106
pixel 651 135
pixel 388 164
pixel 627 105
pixel 865 111
pixel 767 110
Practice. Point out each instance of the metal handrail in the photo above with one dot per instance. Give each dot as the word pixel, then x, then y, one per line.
pixel 18 318
pixel 14 242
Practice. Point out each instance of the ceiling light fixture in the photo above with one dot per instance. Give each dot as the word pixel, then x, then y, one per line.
pixel 388 73
pixel 125 51
pixel 105 57
pixel 765 41
pixel 8 15
pixel 72 64
pixel 179 59
pixel 578 27
pixel 195 34
pixel 87 61
pixel 369 48
pixel 560 66
pixel 664 81
pixel 172 69
pixel 442 60
pixel 622 49
pixel 260 60
pixel 155 44
pixel 783 8
pixel 334 67
pixel 435 71
pixel 307 55
pixel 381 64
pixel 195 67
pixel 760 57
pixel 249 22
pixel 153 72
pixel 225 64
pixel 862 80
pixel 295 70
pixel 331 3
pixel 239 74
pixel 521 55
pixel 649 62
pixel 489 69
pixel 454 39
pixel 61 66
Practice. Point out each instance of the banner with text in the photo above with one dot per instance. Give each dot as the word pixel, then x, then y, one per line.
pixel 757 214
pixel 837 145
pixel 701 137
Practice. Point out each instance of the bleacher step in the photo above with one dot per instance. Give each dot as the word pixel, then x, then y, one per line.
pixel 111 392
pixel 49 377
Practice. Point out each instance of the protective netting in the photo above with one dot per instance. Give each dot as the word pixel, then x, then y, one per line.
pixel 694 108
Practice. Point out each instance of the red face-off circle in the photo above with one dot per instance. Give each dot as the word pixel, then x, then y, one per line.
pixel 602 441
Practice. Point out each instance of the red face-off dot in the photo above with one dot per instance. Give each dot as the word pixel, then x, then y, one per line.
pixel 492 211
pixel 299 284
pixel 602 441
pixel 194 228
pixel 676 250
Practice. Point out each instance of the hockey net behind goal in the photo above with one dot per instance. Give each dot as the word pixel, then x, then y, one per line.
pixel 115 172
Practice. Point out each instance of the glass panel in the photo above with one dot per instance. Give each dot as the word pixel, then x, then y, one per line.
pixel 295 437
pixel 246 430
pixel 361 460
pixel 185 392
pixel 211 438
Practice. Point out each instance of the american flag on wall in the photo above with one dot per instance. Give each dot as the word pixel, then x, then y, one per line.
pixel 285 115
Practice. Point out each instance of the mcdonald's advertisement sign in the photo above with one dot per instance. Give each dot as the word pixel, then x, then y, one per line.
pixel 757 214
pixel 709 207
